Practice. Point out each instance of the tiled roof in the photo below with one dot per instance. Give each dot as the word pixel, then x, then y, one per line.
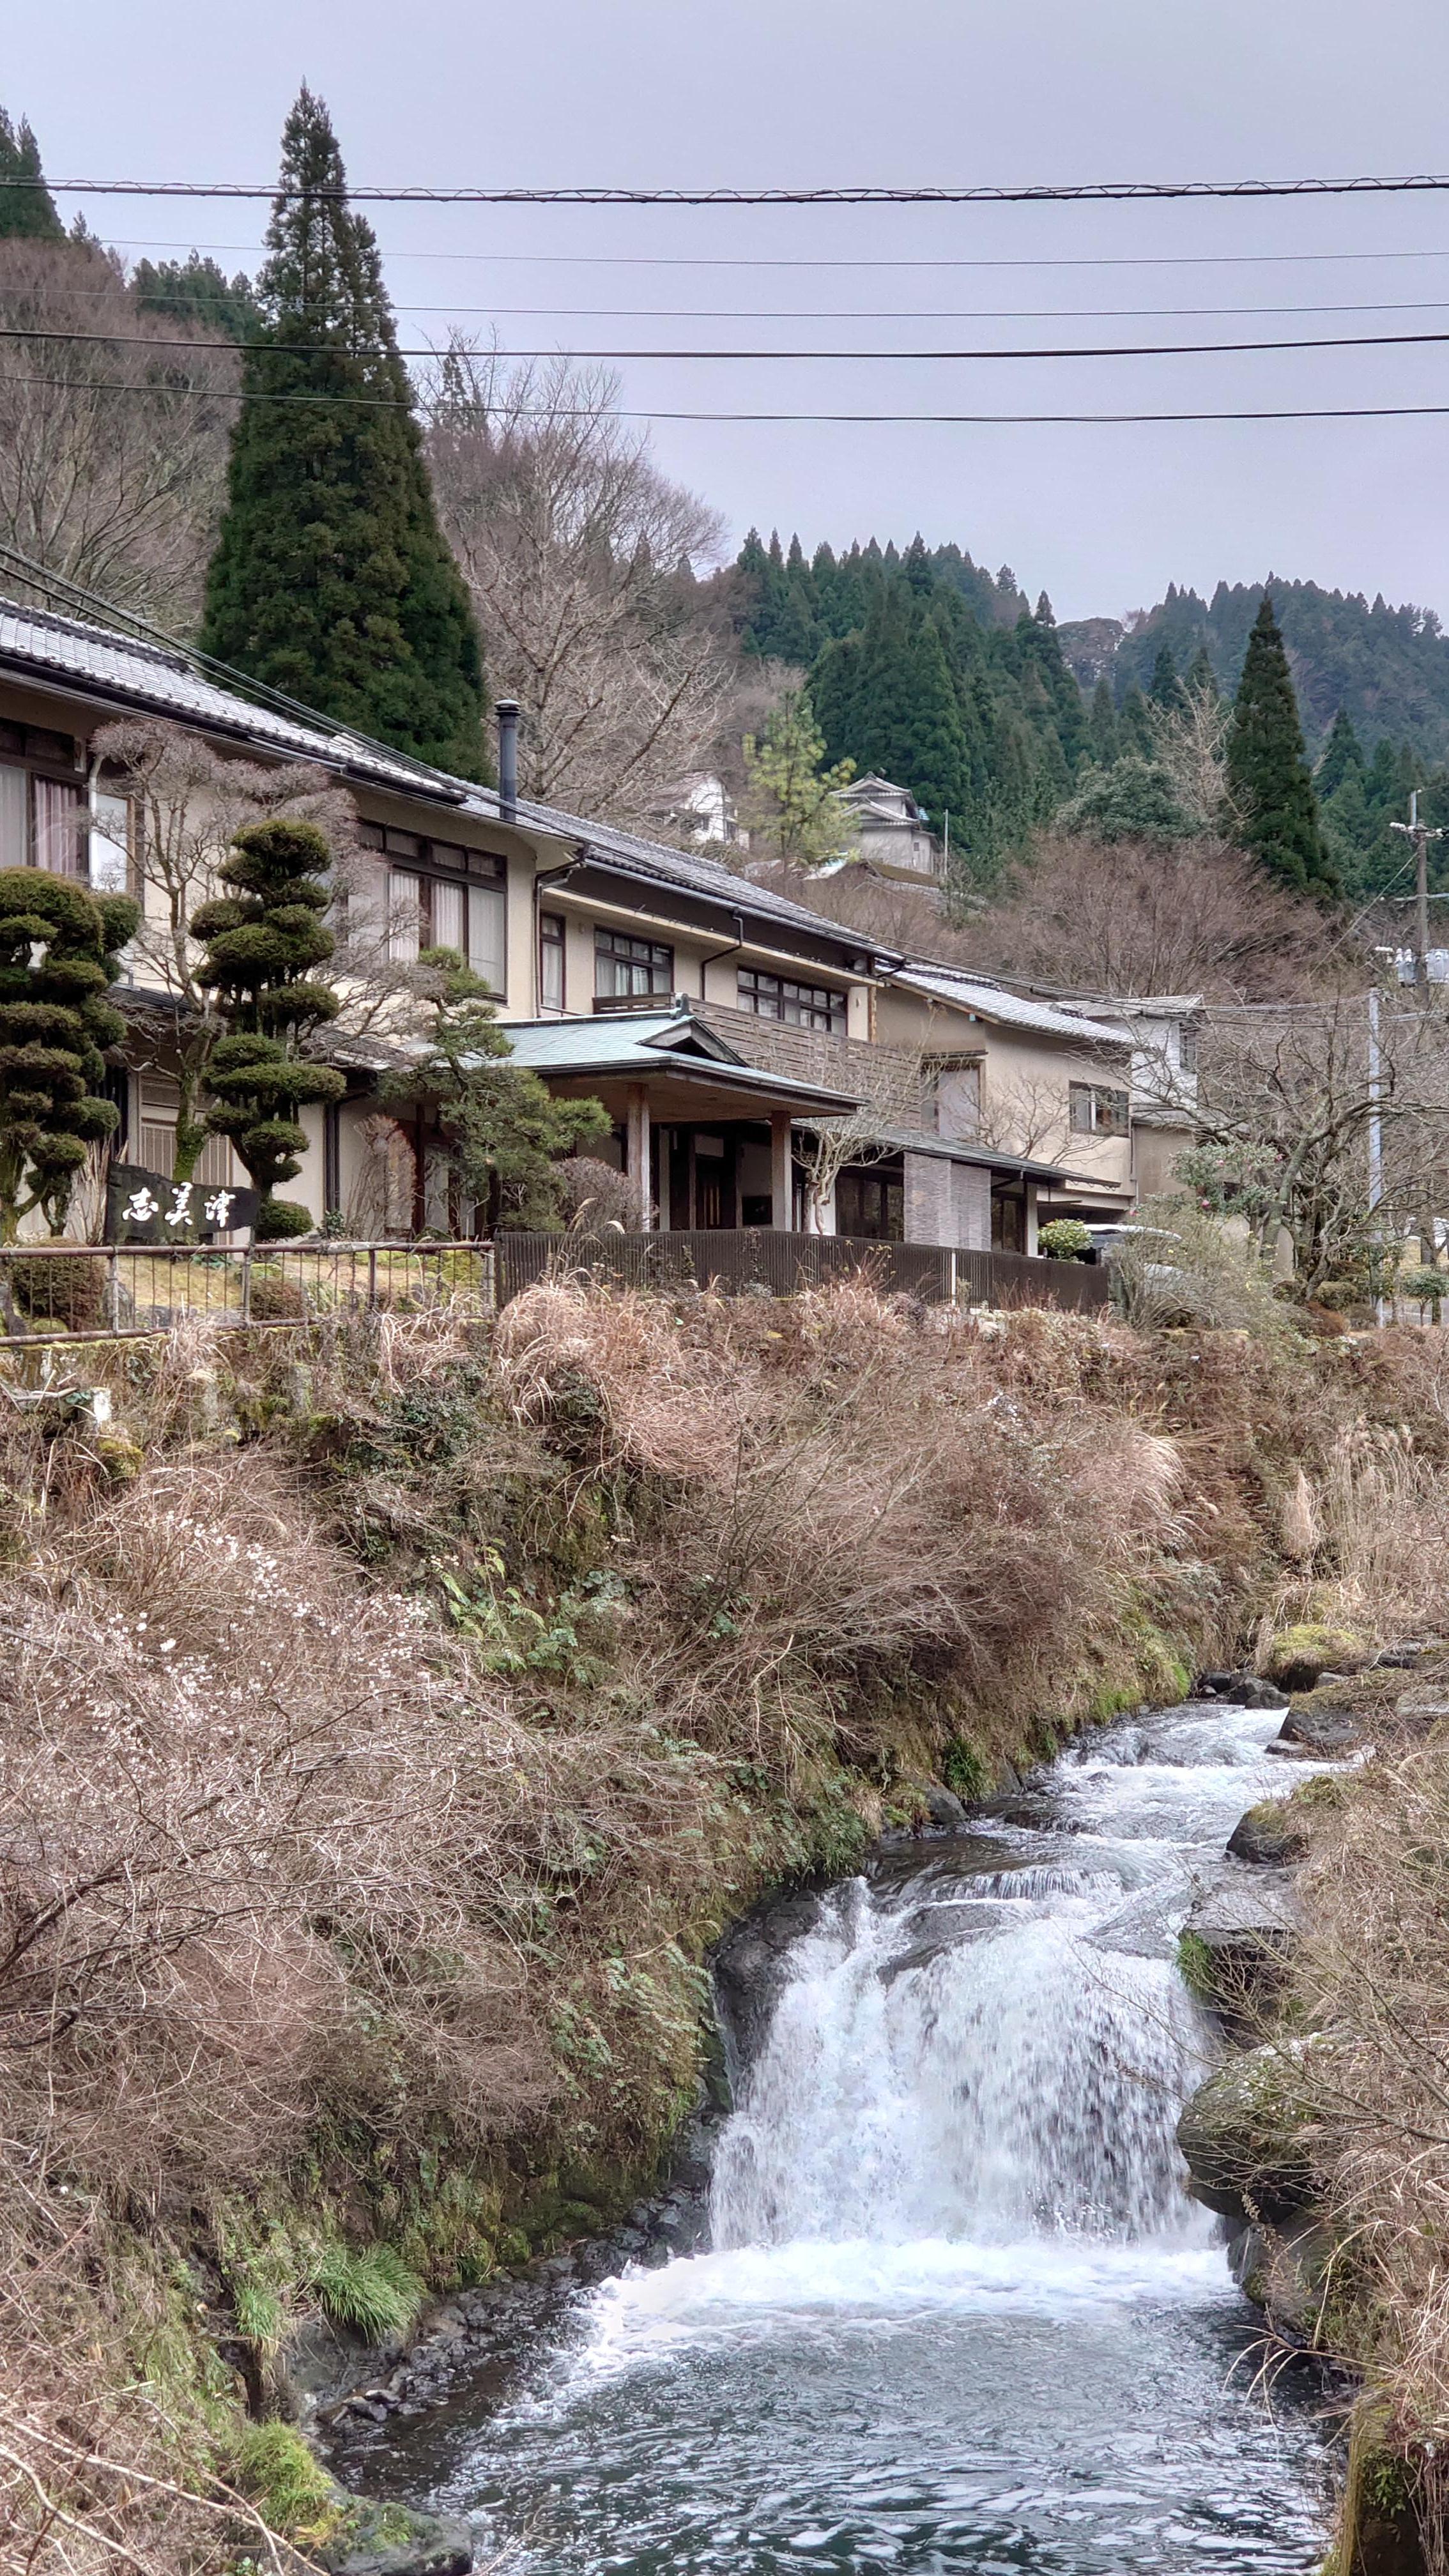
pixel 168 682
pixel 659 864
pixel 148 675
pixel 993 1002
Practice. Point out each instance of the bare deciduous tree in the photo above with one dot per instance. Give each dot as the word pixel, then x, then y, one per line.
pixel 895 1083
pixel 112 441
pixel 1152 917
pixel 1190 742
pixel 579 555
pixel 187 802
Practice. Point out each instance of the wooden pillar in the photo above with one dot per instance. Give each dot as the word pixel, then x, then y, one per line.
pixel 666 1179
pixel 782 1180
pixel 642 1205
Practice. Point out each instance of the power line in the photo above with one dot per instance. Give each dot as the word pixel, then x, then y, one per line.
pixel 647 259
pixel 1120 349
pixel 855 313
pixel 1089 192
pixel 820 419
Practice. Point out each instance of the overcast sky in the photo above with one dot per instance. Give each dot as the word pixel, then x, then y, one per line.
pixel 818 92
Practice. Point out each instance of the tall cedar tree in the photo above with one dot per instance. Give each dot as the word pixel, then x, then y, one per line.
pixel 27 209
pixel 59 949
pixel 1269 780
pixel 263 940
pixel 331 578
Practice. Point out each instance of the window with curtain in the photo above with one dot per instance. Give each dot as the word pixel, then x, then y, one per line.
pixel 14 817
pixel 449 916
pixel 408 930
pixel 61 818
pixel 488 935
pixel 551 961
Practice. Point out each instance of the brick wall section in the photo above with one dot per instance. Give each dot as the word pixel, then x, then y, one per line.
pixel 929 1214
pixel 971 1201
pixel 831 1063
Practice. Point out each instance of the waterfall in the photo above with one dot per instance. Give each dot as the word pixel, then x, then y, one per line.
pixel 1015 2081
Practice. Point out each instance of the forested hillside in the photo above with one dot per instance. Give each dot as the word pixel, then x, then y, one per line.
pixel 939 674
pixel 930 670
pixel 1388 668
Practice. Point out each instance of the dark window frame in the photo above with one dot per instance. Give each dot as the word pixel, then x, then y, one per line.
pixel 625 952
pixel 1091 1097
pixel 766 996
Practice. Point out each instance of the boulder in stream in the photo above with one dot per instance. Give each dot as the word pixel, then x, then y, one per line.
pixel 1324 1734
pixel 1269 1835
pixel 1242 2133
pixel 1236 1940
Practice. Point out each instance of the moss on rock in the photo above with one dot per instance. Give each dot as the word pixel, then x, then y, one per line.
pixel 1299 1656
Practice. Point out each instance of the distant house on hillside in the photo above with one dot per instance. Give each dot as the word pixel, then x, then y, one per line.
pixel 701 808
pixel 894 838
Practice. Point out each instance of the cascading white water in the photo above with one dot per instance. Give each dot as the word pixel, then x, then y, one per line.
pixel 958 2316
pixel 1021 2083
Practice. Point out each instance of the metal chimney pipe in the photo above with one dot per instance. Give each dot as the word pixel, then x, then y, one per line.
pixel 507 714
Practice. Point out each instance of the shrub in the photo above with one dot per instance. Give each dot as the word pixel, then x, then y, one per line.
pixel 1425 1286
pixel 1065 1238
pixel 65 1290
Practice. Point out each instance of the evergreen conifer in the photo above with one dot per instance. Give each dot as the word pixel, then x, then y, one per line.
pixel 330 577
pixel 1269 780
pixel 59 947
pixel 263 939
pixel 1165 688
pixel 27 211
pixel 1202 679
pixel 1102 726
pixel 1342 757
pixel 497 1124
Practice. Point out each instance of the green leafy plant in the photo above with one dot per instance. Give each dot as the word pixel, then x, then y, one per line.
pixel 1065 1238
pixel 495 1123
pixel 371 2290
pixel 290 2487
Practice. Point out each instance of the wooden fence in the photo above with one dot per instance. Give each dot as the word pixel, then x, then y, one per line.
pixel 781 1264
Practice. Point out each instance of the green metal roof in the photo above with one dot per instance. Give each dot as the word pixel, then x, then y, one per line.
pixel 638 1044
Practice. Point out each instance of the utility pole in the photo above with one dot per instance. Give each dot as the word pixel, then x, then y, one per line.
pixel 1420 835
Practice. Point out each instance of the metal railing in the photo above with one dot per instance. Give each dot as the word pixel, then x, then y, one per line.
pixel 756 1258
pixel 106 1292
pixel 102 1292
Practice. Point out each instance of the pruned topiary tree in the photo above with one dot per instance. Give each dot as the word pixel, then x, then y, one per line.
pixel 59 952
pixel 494 1123
pixel 263 941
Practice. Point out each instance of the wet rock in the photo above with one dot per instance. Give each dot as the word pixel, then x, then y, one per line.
pixel 1268 1835
pixel 1242 2134
pixel 1285 2271
pixel 1400 1659
pixel 944 1807
pixel 750 1966
pixel 1249 1690
pixel 1321 1733
pixel 1233 1951
pixel 393 2540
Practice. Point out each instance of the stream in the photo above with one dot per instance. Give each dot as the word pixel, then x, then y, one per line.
pixel 950 2308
